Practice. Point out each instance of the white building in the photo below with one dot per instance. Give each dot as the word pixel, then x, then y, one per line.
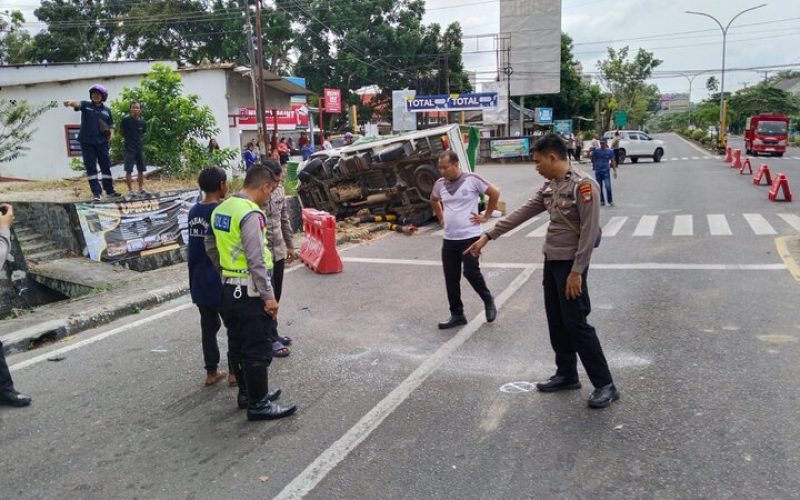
pixel 226 89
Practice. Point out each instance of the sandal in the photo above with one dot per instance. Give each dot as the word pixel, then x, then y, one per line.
pixel 232 380
pixel 279 350
pixel 213 378
pixel 285 340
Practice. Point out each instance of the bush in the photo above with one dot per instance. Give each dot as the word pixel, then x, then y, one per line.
pixel 698 134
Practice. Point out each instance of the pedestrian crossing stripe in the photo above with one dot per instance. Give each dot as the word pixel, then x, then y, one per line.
pixel 680 225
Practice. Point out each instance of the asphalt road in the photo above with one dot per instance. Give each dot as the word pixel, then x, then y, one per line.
pixel 696 311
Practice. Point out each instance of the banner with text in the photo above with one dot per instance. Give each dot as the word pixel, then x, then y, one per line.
pixel 286 120
pixel 452 102
pixel 126 230
pixel 333 100
pixel 510 148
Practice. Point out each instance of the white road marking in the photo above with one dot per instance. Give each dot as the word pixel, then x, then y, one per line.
pixel 646 225
pixel 718 225
pixel 695 157
pixel 521 226
pixel 796 157
pixel 642 266
pixel 304 483
pixel 77 345
pixel 791 219
pixel 759 224
pixel 706 157
pixel 673 159
pixel 539 232
pixel 682 226
pixel 613 226
pixel 685 158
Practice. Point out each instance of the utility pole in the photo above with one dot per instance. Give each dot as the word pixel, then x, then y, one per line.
pixel 252 55
pixel 446 76
pixel 262 136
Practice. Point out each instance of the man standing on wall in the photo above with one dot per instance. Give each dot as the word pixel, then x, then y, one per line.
pixel 132 129
pixel 97 131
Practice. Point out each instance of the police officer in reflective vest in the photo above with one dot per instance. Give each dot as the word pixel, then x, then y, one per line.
pixel 570 198
pixel 239 245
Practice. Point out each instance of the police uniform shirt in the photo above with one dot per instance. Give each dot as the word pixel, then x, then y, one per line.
pixel 573 198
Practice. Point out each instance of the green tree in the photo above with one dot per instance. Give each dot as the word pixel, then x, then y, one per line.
pixel 761 98
pixel 15 41
pixel 626 80
pixel 77 30
pixel 712 84
pixel 16 126
pixel 178 127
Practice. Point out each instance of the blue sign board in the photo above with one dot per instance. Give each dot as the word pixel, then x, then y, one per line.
pixel 452 102
pixel 544 116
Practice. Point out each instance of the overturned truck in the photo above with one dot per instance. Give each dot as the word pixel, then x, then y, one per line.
pixel 386 176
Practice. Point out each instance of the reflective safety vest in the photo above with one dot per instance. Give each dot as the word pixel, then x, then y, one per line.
pixel 226 221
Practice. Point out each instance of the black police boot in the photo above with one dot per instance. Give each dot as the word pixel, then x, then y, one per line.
pixel 558 383
pixel 242 397
pixel 259 406
pixel 452 321
pixel 14 398
pixel 491 310
pixel 602 397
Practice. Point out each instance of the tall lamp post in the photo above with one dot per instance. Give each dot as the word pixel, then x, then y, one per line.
pixel 722 134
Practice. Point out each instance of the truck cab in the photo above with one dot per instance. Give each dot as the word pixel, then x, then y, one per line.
pixel 766 134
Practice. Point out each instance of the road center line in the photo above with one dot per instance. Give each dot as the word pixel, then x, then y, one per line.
pixel 77 345
pixel 338 451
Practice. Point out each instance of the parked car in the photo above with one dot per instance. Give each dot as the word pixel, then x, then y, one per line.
pixel 635 144
pixel 392 175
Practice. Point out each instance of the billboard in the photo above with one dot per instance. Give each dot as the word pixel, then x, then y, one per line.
pixel 123 230
pixel 452 102
pixel 333 100
pixel 292 119
pixel 530 43
pixel 402 120
pixel 510 148
pixel 543 116
pixel 498 115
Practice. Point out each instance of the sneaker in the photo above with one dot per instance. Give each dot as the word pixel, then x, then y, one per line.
pixel 602 203
pixel 114 194
pixel 97 197
pixel 143 193
pixel 611 205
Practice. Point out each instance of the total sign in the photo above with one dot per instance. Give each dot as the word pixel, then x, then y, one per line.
pixel 452 102
pixel 544 116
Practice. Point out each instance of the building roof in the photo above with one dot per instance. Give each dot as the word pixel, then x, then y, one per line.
pixel 791 85
pixel 34 74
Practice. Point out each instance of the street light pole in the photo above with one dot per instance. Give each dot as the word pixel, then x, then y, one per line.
pixel 722 134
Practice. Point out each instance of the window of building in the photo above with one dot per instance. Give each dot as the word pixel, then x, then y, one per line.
pixel 71 135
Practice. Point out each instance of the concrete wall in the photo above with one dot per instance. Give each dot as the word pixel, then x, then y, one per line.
pixel 58 222
pixel 48 158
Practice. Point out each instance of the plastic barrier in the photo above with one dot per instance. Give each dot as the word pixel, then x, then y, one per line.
pixel 763 170
pixel 728 156
pixel 780 183
pixel 737 158
pixel 318 251
pixel 746 165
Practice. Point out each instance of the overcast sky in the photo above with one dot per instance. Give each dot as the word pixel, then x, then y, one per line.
pixel 766 37
pixel 773 42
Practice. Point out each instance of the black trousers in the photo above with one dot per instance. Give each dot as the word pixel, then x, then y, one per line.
pixel 210 323
pixel 5 376
pixel 453 259
pixel 570 334
pixel 250 329
pixel 92 155
pixel 277 287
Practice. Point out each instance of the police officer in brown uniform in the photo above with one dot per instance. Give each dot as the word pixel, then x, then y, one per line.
pixel 570 197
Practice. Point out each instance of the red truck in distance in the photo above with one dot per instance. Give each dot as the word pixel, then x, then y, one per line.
pixel 766 134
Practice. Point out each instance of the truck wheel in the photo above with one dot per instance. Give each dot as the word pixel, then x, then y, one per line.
pixel 425 177
pixel 657 155
pixel 779 155
pixel 634 159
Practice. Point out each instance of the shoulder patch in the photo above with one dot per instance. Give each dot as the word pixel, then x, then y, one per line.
pixel 585 191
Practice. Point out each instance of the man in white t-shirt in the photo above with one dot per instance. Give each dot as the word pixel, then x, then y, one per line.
pixel 454 200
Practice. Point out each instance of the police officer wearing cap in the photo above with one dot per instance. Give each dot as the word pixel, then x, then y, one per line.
pixel 570 197
pixel 239 246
